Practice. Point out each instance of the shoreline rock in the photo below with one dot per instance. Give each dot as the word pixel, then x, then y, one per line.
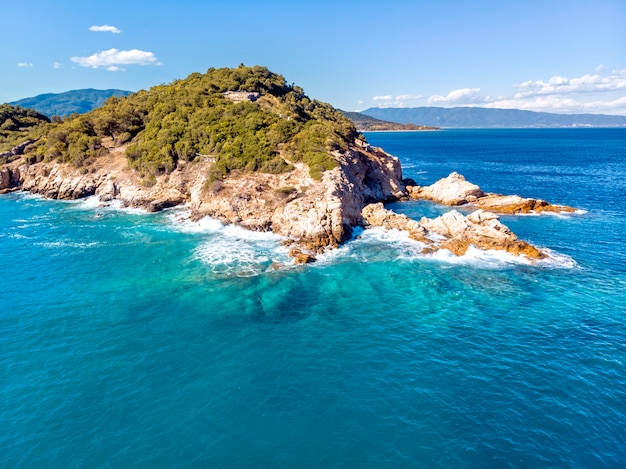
pixel 455 190
pixel 316 214
pixel 454 231
pixel 313 215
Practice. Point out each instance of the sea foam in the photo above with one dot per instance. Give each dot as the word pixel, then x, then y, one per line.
pixel 380 245
pixel 229 250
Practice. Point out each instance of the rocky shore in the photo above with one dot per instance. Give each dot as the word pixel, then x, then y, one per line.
pixel 312 215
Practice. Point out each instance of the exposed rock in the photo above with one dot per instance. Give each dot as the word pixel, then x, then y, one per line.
pixel 300 257
pixel 480 229
pixel 317 214
pixel 377 215
pixel 513 204
pixel 242 95
pixel 455 190
pixel 452 190
pixel 453 231
pixel 5 178
pixel 314 214
pixel 16 151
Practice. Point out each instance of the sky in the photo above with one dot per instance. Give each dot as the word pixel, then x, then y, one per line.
pixel 549 55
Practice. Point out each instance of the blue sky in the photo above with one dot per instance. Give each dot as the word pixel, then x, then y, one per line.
pixel 549 55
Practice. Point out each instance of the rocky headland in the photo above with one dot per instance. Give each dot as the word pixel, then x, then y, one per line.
pixel 318 181
pixel 314 214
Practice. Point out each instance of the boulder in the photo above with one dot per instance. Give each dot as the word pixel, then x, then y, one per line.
pixel 377 215
pixel 5 179
pixel 452 190
pixel 455 190
pixel 301 257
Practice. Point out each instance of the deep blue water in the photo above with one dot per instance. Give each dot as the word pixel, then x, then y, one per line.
pixel 131 339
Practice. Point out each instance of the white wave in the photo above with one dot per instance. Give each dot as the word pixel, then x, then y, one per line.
pixel 95 204
pixel 180 220
pixel 229 250
pixel 374 245
pixel 561 214
pixel 557 260
pixel 489 259
pixel 380 245
pixel 66 244
pixel 228 255
pixel 117 205
pixel 88 203
pixel 30 196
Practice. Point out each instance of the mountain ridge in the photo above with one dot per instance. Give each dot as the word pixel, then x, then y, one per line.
pixel 69 102
pixel 365 123
pixel 480 117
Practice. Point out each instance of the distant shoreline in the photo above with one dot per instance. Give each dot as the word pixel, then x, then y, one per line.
pixel 401 130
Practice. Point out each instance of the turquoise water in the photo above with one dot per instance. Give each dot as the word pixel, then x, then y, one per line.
pixel 131 339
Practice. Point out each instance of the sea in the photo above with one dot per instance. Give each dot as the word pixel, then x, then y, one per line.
pixel 130 339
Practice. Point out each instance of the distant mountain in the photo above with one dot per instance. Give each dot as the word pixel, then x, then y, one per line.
pixel 365 123
pixel 468 117
pixel 70 102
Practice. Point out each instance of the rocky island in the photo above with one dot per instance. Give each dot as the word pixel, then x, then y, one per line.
pixel 243 146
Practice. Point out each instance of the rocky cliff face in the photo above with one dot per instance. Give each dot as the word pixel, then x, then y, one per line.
pixel 311 214
pixel 314 214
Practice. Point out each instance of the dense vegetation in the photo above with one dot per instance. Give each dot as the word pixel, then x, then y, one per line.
pixel 69 102
pixel 370 124
pixel 193 118
pixel 17 125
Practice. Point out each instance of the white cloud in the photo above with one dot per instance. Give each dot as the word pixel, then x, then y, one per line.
pixel 105 28
pixel 403 100
pixel 461 96
pixel 57 65
pixel 409 97
pixel 596 83
pixel 25 65
pixel 564 105
pixel 600 92
pixel 113 57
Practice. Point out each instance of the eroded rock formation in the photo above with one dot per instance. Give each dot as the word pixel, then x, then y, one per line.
pixel 315 213
pixel 454 231
pixel 454 190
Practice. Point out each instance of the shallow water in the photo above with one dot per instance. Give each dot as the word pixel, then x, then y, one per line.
pixel 132 339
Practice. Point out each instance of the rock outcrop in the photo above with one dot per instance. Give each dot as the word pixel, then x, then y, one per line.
pixel 316 214
pixel 454 190
pixel 312 214
pixel 453 231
